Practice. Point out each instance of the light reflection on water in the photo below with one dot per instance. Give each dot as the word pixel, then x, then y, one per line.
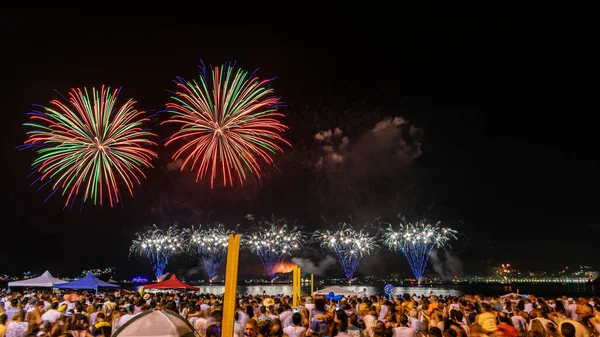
pixel 453 290
pixel 287 290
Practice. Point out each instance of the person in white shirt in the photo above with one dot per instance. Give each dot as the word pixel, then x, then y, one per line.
pixel 286 316
pixel 109 305
pixel 126 317
pixel 68 304
pixel 309 305
pixel 296 329
pixel 201 323
pixel 94 315
pixel 242 317
pixel 52 315
pixel 403 330
pixel 383 311
pixel 47 305
pixel 572 309
pixel 413 321
pixel 204 307
pixel 518 321
pixel 238 329
pixel 370 322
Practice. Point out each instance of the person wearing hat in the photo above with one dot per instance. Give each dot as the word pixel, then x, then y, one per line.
pixel 268 302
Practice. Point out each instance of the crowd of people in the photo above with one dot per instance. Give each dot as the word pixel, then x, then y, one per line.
pixel 44 314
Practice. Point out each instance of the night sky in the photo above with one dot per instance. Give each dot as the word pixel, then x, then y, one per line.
pixel 500 149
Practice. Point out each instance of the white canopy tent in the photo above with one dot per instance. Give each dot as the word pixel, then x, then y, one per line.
pixel 156 323
pixel 336 291
pixel 46 280
pixel 511 296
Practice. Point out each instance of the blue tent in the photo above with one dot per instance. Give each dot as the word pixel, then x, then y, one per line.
pixel 88 282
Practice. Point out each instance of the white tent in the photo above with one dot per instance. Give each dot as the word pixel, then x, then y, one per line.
pixel 156 323
pixel 514 298
pixel 336 291
pixel 46 280
pixel 511 295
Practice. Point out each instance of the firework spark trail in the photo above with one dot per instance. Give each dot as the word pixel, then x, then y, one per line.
pixel 273 243
pixel 349 245
pixel 228 124
pixel 90 145
pixel 211 244
pixel 416 241
pixel 158 246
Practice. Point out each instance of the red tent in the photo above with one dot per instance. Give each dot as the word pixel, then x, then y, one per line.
pixel 172 283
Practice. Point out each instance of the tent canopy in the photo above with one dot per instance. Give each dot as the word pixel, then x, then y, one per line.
pixel 336 290
pixel 172 283
pixel 156 323
pixel 88 282
pixel 46 280
pixel 514 295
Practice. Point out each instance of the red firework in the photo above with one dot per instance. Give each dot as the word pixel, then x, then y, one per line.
pixel 229 124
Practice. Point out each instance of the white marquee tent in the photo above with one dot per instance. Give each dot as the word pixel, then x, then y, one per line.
pixel 46 280
pixel 336 291
pixel 156 323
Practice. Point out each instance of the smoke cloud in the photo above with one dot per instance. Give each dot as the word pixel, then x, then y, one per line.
pixel 164 276
pixel 367 171
pixel 309 267
pixel 174 165
pixel 448 267
pixel 392 141
pixel 437 264
pixel 194 271
pixel 453 264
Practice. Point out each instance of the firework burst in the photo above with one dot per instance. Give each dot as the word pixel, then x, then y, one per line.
pixel 158 246
pixel 228 124
pixel 416 241
pixel 273 241
pixel 349 245
pixel 211 244
pixel 90 145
